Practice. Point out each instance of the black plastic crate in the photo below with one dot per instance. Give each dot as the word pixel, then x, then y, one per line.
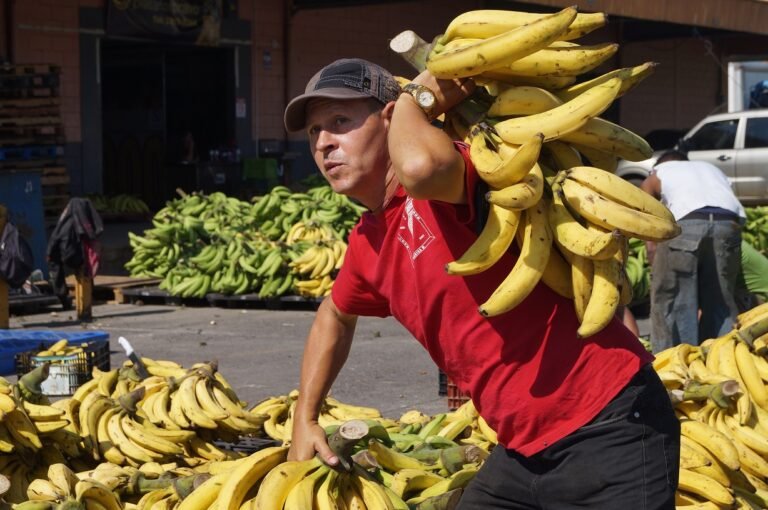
pixel 442 388
pixel 68 372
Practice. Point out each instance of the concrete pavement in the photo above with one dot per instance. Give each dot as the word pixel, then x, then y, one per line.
pixel 260 351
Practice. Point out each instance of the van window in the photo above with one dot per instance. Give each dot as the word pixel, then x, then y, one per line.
pixel 713 136
pixel 757 133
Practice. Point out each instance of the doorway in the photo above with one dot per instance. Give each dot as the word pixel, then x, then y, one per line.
pixel 164 107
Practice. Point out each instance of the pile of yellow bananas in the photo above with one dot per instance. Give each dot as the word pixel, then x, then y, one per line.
pixel 121 442
pixel 61 348
pixel 719 392
pixel 322 253
pixel 173 416
pixel 537 140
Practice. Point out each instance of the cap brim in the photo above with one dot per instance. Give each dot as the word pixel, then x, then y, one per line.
pixel 295 117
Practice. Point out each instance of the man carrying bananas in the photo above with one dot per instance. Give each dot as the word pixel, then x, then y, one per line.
pixel 581 422
pixel 699 269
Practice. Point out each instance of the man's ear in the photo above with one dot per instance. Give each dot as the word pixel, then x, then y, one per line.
pixel 386 112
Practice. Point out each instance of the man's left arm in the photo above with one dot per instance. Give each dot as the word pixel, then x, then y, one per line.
pixel 423 156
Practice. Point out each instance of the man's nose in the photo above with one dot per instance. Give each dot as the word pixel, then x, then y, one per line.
pixel 325 140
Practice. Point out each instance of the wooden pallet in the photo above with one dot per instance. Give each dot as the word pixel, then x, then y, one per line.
pixel 110 288
pixel 25 103
pixel 29 92
pixel 31 303
pixel 256 301
pixel 29 81
pixel 31 164
pixel 22 69
pixel 45 110
pixel 54 180
pixel 27 120
pixel 152 295
pixel 16 139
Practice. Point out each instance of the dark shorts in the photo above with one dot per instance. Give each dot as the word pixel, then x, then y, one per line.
pixel 626 458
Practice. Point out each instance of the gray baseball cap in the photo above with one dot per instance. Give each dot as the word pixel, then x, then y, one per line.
pixel 348 78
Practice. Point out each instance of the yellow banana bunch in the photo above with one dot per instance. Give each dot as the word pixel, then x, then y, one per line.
pixel 499 50
pixel 522 195
pixel 500 164
pixel 486 23
pixel 536 243
pixel 624 216
pixel 537 101
pixel 523 100
pixel 630 77
pixel 319 260
pixel 561 59
pixel 563 119
pixel 490 245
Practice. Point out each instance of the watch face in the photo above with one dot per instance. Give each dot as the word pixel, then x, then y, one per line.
pixel 426 98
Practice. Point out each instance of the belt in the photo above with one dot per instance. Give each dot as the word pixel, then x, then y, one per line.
pixel 711 216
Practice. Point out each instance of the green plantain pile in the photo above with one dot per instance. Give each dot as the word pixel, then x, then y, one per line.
pixel 119 204
pixel 638 270
pixel 756 229
pixel 283 243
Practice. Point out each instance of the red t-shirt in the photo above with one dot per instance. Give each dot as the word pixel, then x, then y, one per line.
pixel 528 374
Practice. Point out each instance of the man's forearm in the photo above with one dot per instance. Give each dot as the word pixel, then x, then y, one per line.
pixel 325 352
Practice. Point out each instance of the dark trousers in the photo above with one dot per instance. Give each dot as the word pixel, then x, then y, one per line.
pixel 626 458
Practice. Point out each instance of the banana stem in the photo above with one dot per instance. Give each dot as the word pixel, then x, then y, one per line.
pixel 130 374
pixel 70 504
pixel 208 369
pixel 377 431
pixel 453 459
pixel 426 454
pixel 445 501
pixel 144 485
pixel 412 48
pixel 755 330
pixel 34 378
pixel 470 111
pixel 185 485
pixel 131 399
pixel 720 393
pixel 344 439
pixel 366 460
pixel 675 396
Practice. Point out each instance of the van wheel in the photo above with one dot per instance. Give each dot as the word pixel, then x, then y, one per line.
pixel 635 179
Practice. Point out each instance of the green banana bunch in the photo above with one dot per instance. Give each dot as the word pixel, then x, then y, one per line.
pixel 214 243
pixel 638 270
pixel 756 228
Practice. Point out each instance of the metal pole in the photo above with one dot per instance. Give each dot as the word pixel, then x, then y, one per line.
pixel 4 303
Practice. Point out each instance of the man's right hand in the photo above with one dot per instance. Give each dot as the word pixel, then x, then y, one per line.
pixel 309 438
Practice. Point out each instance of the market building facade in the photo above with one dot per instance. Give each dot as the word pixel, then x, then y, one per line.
pixel 160 94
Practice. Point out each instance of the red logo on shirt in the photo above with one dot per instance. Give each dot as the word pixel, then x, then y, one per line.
pixel 413 233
